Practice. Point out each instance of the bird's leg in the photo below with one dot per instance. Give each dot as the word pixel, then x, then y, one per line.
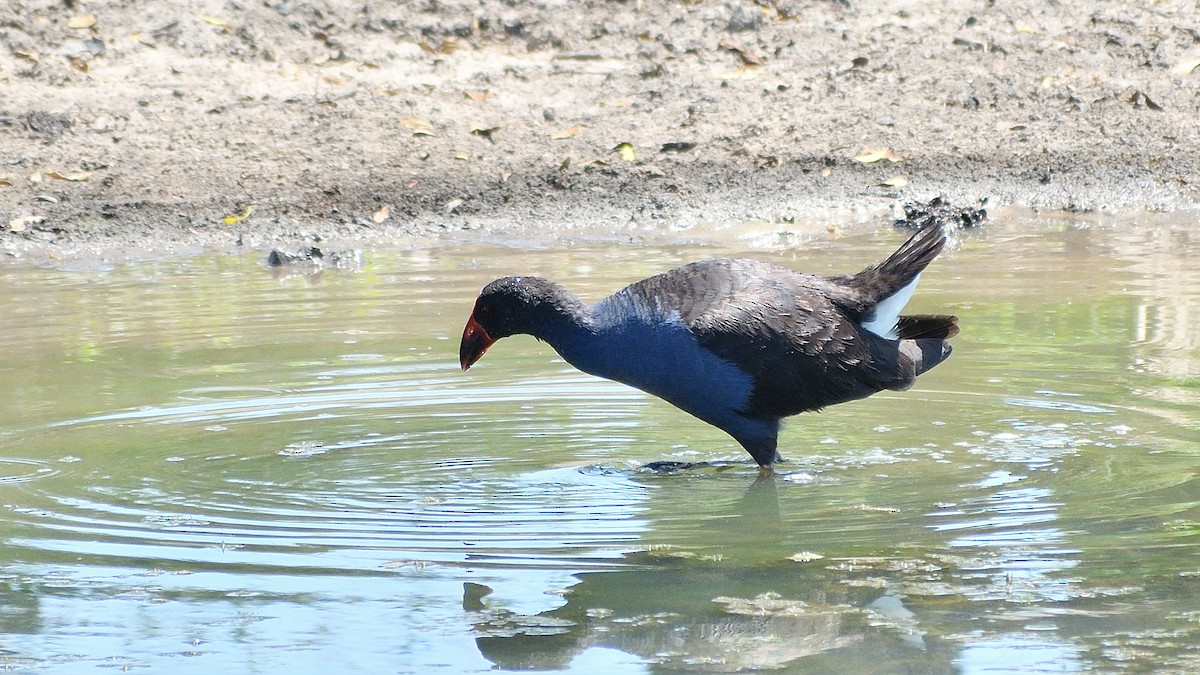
pixel 763 450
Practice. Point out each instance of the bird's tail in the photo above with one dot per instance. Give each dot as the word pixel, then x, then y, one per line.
pixel 885 288
pixel 917 326
pixel 913 256
pixel 881 281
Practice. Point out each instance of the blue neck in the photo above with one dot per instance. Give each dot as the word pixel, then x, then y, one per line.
pixel 635 341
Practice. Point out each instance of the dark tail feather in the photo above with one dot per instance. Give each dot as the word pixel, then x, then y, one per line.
pixel 918 326
pixel 881 281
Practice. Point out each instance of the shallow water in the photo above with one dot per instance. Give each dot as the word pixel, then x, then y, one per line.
pixel 207 466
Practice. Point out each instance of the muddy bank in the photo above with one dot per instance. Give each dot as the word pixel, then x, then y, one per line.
pixel 154 126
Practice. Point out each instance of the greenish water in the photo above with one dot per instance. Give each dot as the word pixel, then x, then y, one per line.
pixel 209 467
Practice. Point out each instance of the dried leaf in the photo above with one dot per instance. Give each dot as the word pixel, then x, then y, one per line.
pixel 1139 99
pixel 73 177
pixel 418 125
pixel 447 46
pixel 750 57
pixel 897 181
pixel 462 156
pixel 1009 125
pixel 742 73
pixel 563 134
pixel 6 182
pixel 231 220
pixel 31 55
pixel 81 21
pixel 381 215
pixel 214 20
pixel 1186 66
pixel 485 130
pixel 872 155
pixel 625 150
pixel 476 95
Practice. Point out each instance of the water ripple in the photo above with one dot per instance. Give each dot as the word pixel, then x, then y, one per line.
pixel 546 519
pixel 348 490
pixel 416 393
pixel 22 470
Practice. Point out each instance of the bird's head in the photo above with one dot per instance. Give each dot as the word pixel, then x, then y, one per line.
pixel 505 307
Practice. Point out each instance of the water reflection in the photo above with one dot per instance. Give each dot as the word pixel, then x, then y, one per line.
pixel 1009 549
pixel 686 610
pixel 1019 654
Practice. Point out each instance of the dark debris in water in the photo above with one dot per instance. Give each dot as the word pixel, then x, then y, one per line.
pixel 669 467
pixel 938 212
pixel 279 257
pixel 314 256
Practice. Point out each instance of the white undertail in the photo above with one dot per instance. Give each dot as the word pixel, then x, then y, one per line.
pixel 884 316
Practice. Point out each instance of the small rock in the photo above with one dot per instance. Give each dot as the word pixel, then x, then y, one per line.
pixel 744 18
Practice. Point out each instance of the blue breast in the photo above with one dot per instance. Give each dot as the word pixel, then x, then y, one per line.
pixel 631 340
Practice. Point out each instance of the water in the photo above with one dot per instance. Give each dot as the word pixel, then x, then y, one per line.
pixel 209 467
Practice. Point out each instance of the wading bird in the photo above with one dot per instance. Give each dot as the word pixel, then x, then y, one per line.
pixel 740 344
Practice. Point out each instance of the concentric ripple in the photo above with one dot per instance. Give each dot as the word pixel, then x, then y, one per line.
pixel 18 470
pixel 221 480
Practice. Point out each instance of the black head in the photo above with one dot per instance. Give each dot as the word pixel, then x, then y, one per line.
pixel 505 307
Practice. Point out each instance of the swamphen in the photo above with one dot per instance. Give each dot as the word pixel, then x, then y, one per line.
pixel 738 343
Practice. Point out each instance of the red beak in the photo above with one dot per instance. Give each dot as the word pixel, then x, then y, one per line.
pixel 475 341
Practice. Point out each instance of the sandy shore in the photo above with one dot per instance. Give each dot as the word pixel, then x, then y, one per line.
pixel 139 125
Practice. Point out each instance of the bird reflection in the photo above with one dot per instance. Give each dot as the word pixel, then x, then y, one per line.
pixel 688 611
